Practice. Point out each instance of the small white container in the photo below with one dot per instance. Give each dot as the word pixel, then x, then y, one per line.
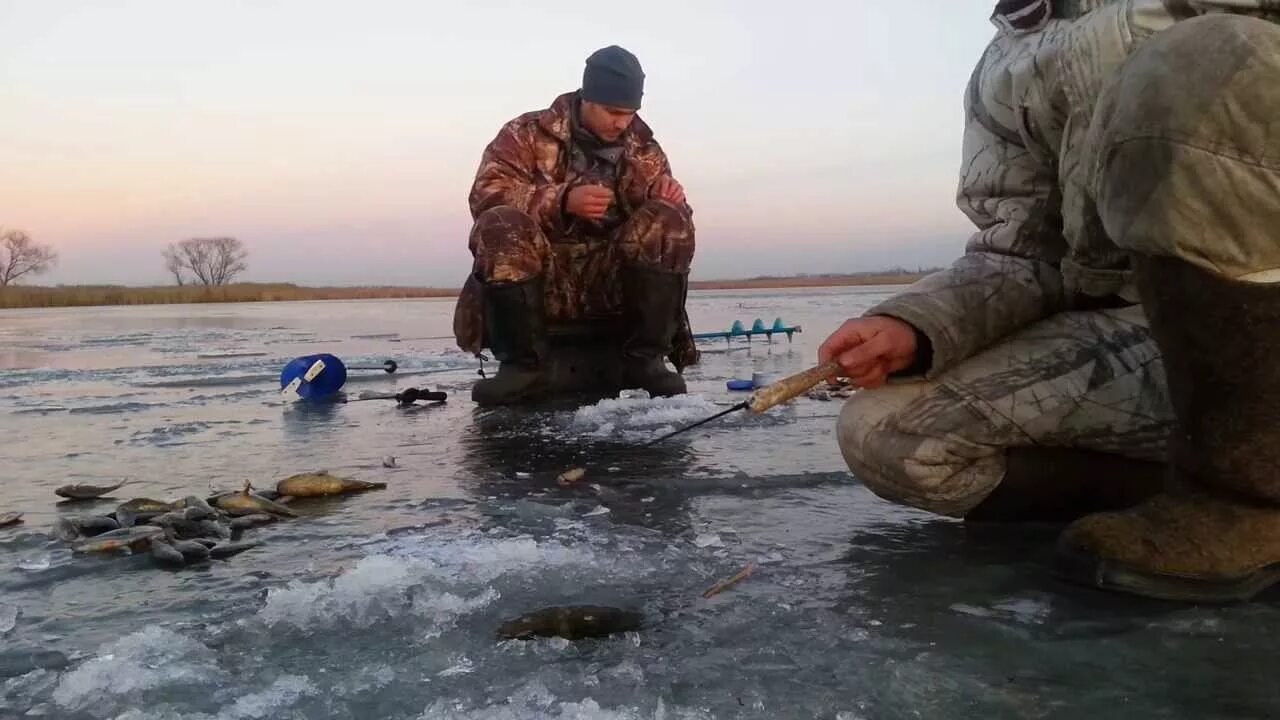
pixel 760 380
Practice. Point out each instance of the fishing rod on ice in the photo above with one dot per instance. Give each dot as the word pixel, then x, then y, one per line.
pixel 759 402
pixel 768 396
pixel 388 366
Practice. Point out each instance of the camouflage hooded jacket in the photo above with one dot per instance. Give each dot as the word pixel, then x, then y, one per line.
pixel 528 166
pixel 1038 248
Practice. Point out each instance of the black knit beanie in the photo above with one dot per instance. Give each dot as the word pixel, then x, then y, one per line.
pixel 613 77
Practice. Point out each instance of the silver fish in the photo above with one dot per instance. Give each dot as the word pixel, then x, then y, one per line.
pixel 166 554
pixel 134 538
pixel 191 550
pixel 86 492
pixel 244 522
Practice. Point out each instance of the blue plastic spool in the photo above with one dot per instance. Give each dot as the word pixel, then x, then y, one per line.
pixel 313 377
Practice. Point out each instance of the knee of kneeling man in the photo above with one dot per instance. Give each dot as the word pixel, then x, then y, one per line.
pixel 864 432
pixel 897 464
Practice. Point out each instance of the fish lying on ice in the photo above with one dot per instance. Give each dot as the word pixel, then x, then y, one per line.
pixel 141 509
pixel 212 529
pixel 196 509
pixel 184 552
pixel 244 522
pixel 87 492
pixel 165 554
pixel 184 529
pixel 247 503
pixel 572 622
pixel 191 551
pixel 89 525
pixel 133 538
pixel 64 529
pixel 322 484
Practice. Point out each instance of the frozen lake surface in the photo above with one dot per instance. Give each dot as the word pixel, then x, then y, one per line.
pixel 384 604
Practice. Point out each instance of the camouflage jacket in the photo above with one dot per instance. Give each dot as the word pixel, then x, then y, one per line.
pixel 527 166
pixel 1038 248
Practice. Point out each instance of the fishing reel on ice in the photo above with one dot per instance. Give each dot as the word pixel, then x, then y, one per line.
pixel 320 377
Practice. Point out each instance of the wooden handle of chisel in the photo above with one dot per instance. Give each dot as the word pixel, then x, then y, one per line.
pixel 789 387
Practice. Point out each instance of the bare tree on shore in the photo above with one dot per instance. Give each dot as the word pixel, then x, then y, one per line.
pixel 173 263
pixel 20 255
pixel 211 261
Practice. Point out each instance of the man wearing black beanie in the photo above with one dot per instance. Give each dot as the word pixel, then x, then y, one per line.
pixel 578 221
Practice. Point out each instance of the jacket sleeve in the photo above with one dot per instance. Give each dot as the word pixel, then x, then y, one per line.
pixel 1009 275
pixel 654 165
pixel 508 176
pixel 1011 272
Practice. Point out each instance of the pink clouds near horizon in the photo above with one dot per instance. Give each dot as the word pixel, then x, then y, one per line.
pixel 339 142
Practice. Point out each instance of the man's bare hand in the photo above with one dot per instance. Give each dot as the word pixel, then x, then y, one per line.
pixel 666 188
pixel 589 201
pixel 868 349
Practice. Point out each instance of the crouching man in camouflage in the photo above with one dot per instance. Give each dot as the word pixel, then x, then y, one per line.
pixel 577 217
pixel 1107 349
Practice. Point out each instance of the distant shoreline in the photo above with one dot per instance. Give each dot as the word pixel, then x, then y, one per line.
pixel 36 296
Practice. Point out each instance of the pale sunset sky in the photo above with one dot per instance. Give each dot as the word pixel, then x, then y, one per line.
pixel 338 141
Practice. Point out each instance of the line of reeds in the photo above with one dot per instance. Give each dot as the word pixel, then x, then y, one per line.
pixel 85 295
pixel 81 295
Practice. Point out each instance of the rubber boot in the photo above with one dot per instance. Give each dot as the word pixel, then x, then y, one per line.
pixel 1059 485
pixel 515 323
pixel 654 300
pixel 1213 533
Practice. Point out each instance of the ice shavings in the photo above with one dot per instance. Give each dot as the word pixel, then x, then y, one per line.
pixel 641 417
pixel 438 583
pixel 125 669
pixel 1028 611
pixel 283 693
pixel 8 617
pixel 704 540
pixel 481 559
pixel 462 667
pixel 435 580
pixel 37 683
pixel 364 679
pixel 446 607
pixel 536 701
pixel 378 588
pixel 34 563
